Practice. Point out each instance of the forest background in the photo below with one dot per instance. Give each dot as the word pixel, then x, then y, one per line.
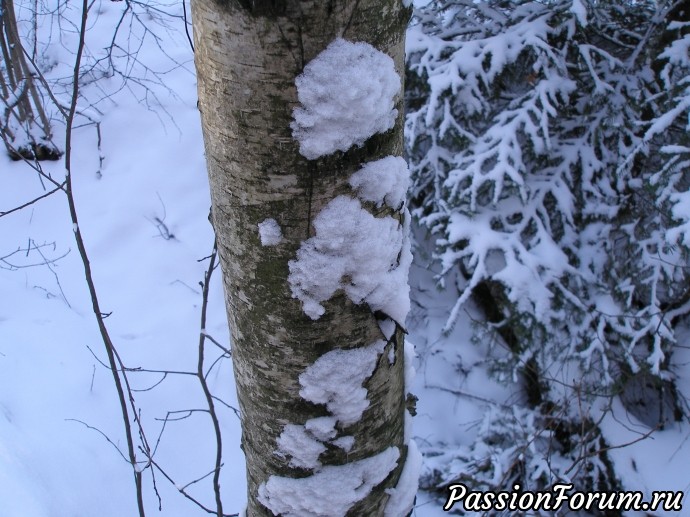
pixel 549 156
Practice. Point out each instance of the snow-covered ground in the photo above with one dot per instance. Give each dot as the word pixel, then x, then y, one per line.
pixel 144 216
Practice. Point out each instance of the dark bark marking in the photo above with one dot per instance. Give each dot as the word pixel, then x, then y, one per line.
pixel 301 45
pixel 267 8
pixel 352 15
pixel 310 194
pixel 299 63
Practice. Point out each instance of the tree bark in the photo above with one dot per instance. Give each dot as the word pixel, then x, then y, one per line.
pixel 248 54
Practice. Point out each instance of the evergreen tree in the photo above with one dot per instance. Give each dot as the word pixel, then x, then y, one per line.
pixel 549 152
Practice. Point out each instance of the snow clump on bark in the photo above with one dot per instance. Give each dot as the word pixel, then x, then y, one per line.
pixel 382 181
pixel 332 491
pixel 270 233
pixel 336 379
pixel 402 496
pixel 301 445
pixel 347 95
pixel 367 257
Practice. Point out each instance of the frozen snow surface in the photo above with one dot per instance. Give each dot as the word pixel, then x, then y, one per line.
pixel 52 380
pixel 347 95
pixel 330 492
pixel 383 181
pixel 367 257
pixel 336 379
pixel 270 233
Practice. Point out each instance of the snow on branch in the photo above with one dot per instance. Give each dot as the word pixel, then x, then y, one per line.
pixel 549 154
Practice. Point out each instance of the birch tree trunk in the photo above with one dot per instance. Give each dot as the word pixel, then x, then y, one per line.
pixel 248 54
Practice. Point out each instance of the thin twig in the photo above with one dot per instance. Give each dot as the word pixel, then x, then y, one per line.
pixel 186 25
pixel 101 433
pixel 109 346
pixel 204 384
pixel 232 408
pixel 61 186
pixel 226 351
pixel 184 493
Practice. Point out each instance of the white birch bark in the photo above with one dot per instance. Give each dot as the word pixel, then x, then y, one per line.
pixel 248 54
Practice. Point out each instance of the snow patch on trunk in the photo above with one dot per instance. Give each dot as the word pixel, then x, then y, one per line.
pixel 347 95
pixel 270 233
pixel 336 379
pixel 383 181
pixel 402 496
pixel 305 443
pixel 368 257
pixel 323 428
pixel 345 443
pixel 303 448
pixel 332 491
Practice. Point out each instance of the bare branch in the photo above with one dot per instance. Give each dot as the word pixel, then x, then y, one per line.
pixel 101 433
pixel 35 200
pixel 109 346
pixel 204 384
pixel 184 493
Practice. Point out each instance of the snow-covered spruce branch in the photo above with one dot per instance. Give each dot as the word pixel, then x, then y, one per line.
pixel 533 146
pixel 549 154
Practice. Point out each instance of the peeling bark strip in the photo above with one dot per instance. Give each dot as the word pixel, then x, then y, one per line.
pixel 248 54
